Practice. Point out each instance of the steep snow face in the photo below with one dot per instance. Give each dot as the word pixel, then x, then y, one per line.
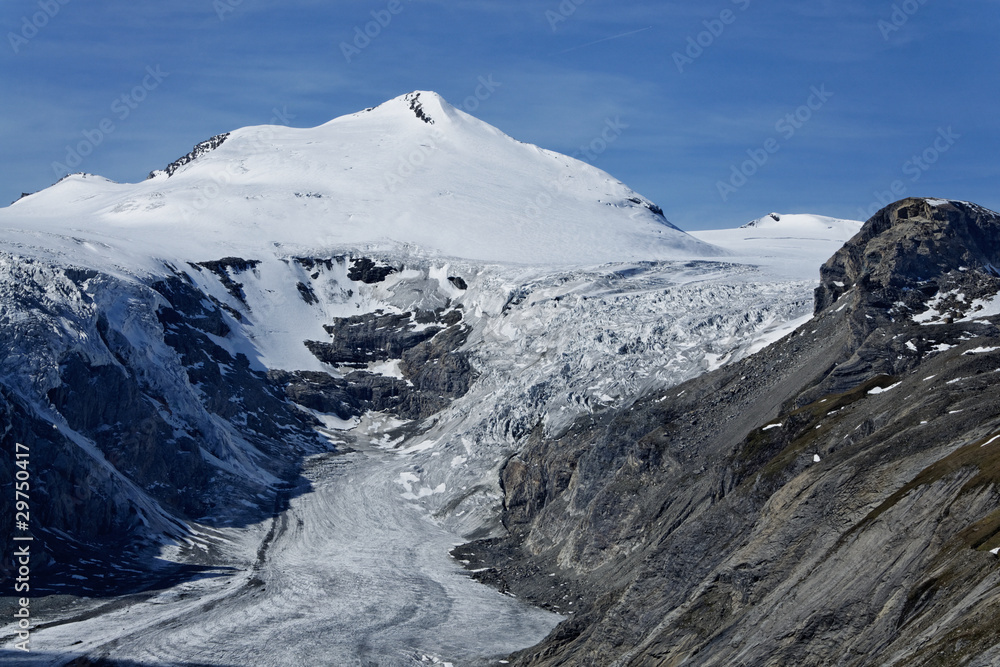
pixel 788 245
pixel 413 172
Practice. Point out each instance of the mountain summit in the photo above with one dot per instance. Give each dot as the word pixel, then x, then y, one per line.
pixel 414 172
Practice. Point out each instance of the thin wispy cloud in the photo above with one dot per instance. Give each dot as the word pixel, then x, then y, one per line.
pixel 601 41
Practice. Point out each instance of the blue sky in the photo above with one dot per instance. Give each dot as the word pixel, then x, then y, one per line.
pixel 725 109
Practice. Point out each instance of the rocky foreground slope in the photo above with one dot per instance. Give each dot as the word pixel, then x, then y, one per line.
pixel 831 500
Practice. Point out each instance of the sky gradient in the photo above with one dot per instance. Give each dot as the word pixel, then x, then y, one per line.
pixel 723 111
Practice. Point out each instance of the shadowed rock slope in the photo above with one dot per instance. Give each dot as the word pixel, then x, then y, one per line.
pixel 832 500
pixel 141 421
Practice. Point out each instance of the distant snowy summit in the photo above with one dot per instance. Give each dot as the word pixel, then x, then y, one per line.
pixel 813 227
pixel 413 173
pixel 759 222
pixel 791 245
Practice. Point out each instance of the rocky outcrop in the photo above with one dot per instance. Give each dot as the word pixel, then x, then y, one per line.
pixel 911 250
pixel 199 149
pixel 427 346
pixel 225 269
pixel 833 499
pixel 376 336
pixel 369 271
pixel 417 108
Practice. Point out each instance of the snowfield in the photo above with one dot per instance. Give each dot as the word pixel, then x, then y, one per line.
pixel 578 296
pixel 788 245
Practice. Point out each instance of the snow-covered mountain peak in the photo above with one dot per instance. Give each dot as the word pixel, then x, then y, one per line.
pixel 807 225
pixel 413 172
pixel 763 222
pixel 424 106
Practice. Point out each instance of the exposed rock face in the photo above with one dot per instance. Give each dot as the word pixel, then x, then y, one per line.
pixel 368 271
pixel 200 149
pixel 912 246
pixel 371 337
pixel 417 108
pixel 227 265
pixel 136 418
pixel 833 499
pixel 426 345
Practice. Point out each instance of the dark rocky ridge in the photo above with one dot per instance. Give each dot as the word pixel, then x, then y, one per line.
pixel 199 149
pixel 418 109
pixel 831 500
pixel 225 268
pixel 376 336
pixel 368 271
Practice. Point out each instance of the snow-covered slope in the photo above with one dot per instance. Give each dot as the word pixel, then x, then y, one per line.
pixel 788 245
pixel 413 172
